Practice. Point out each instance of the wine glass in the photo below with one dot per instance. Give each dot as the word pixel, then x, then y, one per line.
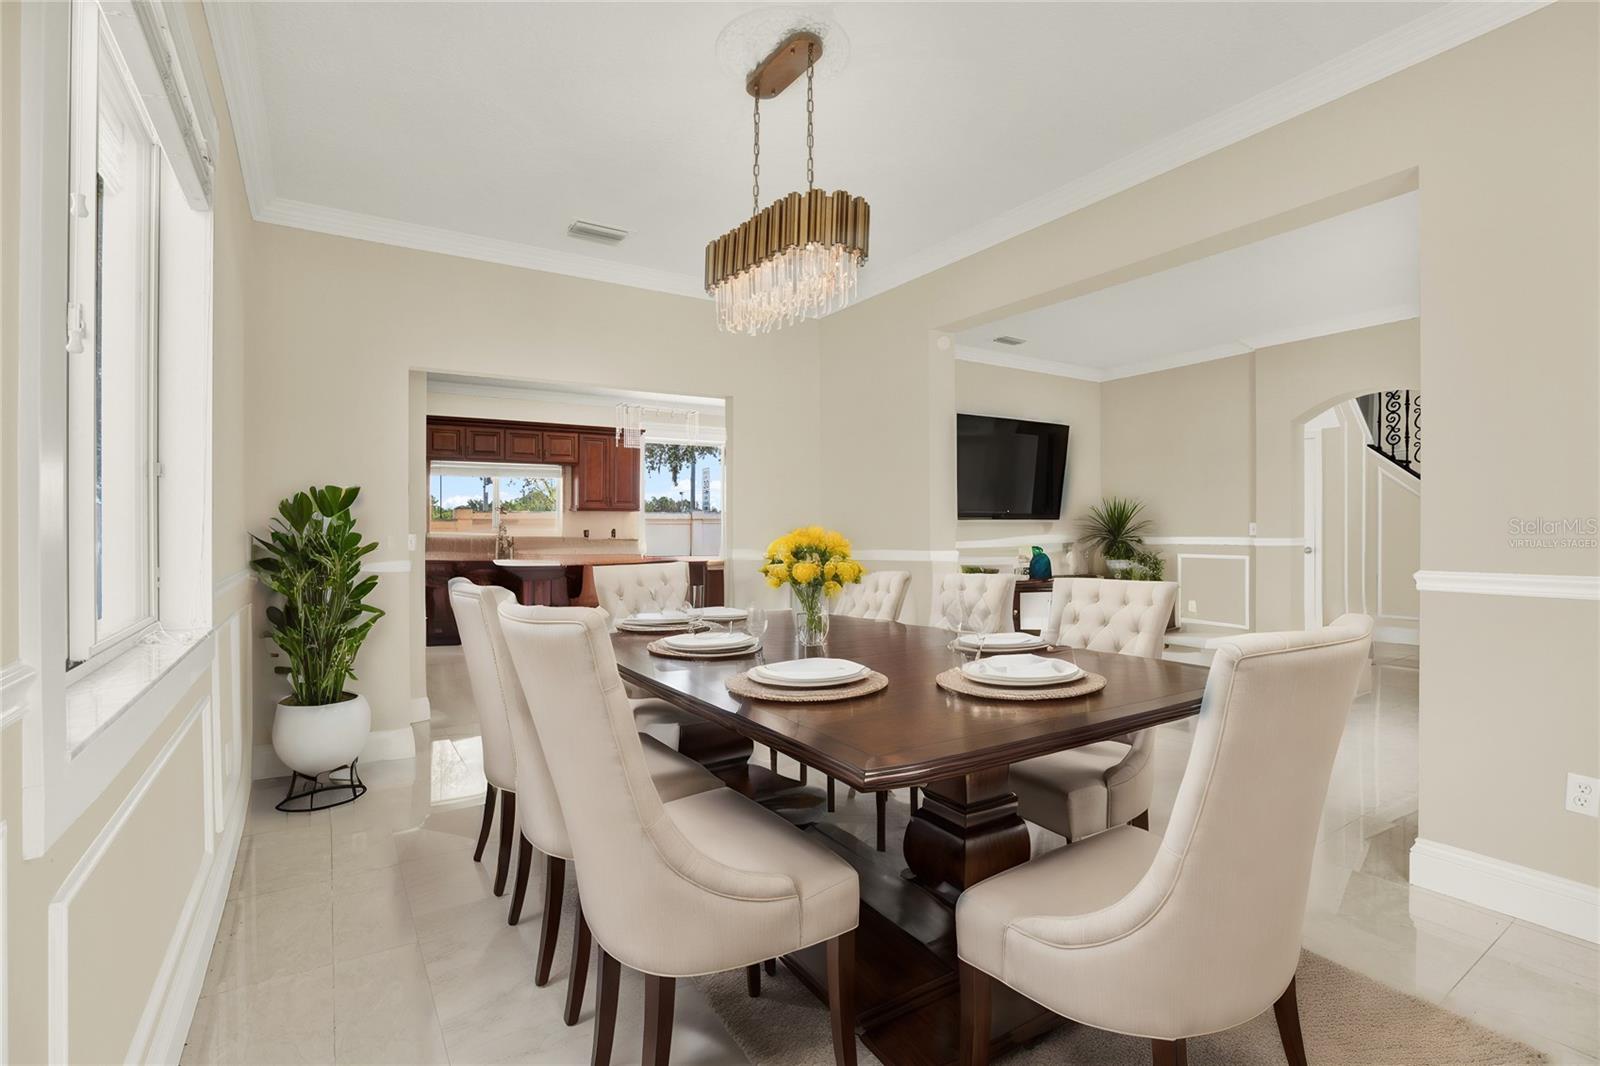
pixel 755 623
pixel 694 605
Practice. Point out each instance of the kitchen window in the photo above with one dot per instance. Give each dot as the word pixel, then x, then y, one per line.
pixel 481 497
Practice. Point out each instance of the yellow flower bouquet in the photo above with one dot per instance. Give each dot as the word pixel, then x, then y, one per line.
pixel 815 563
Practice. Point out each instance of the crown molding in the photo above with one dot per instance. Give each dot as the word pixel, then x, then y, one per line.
pixel 233 38
pixel 1031 363
pixel 1405 46
pixel 1537 586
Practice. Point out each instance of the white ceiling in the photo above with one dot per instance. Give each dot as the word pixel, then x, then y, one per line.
pixel 484 129
pixel 1356 269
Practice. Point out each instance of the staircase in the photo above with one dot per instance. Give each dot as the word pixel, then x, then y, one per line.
pixel 1394 427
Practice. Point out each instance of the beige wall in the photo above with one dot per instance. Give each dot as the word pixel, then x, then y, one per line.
pixel 120 879
pixel 1499 136
pixel 339 326
pixel 981 389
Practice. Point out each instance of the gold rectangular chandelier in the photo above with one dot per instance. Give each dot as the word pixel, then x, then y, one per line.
pixel 798 257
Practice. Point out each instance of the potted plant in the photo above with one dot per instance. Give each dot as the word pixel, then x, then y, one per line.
pixel 815 563
pixel 312 559
pixel 1147 566
pixel 1114 529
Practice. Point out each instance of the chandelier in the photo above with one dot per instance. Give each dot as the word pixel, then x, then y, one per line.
pixel 798 257
pixel 632 417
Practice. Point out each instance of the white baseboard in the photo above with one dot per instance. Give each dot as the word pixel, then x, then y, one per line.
pixel 182 994
pixel 382 745
pixel 1569 907
pixel 1396 635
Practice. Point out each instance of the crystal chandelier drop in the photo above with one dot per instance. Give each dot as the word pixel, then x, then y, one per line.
pixel 798 257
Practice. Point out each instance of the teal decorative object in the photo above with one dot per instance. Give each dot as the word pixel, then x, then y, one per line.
pixel 1039 565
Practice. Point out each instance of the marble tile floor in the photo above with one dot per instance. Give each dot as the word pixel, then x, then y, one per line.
pixel 367 934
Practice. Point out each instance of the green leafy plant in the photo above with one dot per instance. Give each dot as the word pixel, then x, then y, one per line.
pixel 1147 566
pixel 1113 527
pixel 312 558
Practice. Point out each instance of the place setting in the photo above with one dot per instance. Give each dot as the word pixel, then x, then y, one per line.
pixel 817 680
pixel 700 641
pixel 1022 676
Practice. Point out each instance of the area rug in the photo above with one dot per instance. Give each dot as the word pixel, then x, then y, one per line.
pixel 1347 1019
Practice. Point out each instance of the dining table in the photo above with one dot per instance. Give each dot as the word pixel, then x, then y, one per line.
pixel 957 750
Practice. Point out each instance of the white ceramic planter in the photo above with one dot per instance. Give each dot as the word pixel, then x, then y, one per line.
pixel 1119 567
pixel 312 740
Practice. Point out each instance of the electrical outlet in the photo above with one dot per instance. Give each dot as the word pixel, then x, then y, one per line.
pixel 1252 529
pixel 411 542
pixel 1193 609
pixel 1583 795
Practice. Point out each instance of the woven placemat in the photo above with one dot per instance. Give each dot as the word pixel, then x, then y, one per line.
pixel 954 680
pixel 668 631
pixel 742 684
pixel 660 647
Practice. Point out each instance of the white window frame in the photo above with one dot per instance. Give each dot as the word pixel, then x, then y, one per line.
pixel 60 781
pixel 95 54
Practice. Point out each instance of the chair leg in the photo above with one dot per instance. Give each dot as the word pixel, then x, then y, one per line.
pixel 1141 820
pixel 581 949
pixel 659 993
pixel 976 1001
pixel 804 769
pixel 772 759
pixel 842 997
pixel 830 796
pixel 488 820
pixel 1169 1053
pixel 752 979
pixel 605 1009
pixel 1287 1009
pixel 771 966
pixel 508 828
pixel 555 879
pixel 914 797
pixel 520 892
pixel 882 799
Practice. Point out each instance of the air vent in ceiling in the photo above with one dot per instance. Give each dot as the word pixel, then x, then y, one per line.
pixel 1010 341
pixel 593 231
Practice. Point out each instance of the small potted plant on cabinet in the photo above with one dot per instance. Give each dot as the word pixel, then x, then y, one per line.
pixel 312 560
pixel 1114 529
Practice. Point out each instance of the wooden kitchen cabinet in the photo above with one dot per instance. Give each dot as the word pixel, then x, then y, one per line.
pixel 445 441
pixel 592 479
pixel 605 476
pixel 524 446
pixel 560 447
pixel 485 442
pixel 624 478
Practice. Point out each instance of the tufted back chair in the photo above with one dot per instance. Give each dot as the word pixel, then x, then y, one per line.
pixel 1108 615
pixel 499 759
pixel 627 590
pixel 984 599
pixel 1206 898
pixel 878 596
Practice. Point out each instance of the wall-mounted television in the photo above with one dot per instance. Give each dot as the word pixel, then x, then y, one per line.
pixel 1009 468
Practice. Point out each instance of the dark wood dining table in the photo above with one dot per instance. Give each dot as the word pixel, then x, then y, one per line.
pixel 957 750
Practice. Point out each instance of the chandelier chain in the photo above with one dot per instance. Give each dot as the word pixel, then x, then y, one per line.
pixel 755 164
pixel 811 110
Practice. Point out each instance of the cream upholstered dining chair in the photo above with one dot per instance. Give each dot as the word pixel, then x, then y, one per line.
pixel 539 818
pixel 634 587
pixel 1132 932
pixel 698 885
pixel 1088 789
pixel 499 760
pixel 982 601
pixel 879 595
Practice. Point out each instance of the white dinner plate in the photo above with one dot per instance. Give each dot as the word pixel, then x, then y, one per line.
pixel 810 673
pixel 1021 671
pixel 724 614
pixel 709 641
pixel 1001 641
pixel 657 618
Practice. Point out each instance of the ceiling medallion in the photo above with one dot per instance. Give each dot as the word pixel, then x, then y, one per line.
pixel 798 257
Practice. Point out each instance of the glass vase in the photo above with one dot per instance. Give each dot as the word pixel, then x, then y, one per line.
pixel 810 616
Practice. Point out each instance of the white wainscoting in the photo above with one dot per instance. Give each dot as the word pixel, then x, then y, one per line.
pixel 1244 576
pixel 1537 586
pixel 1569 907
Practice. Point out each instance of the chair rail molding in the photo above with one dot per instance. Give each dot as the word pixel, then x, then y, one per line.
pixel 1229 542
pixel 1567 906
pixel 1537 586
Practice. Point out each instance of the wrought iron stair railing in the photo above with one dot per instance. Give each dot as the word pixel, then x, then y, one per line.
pixel 1394 419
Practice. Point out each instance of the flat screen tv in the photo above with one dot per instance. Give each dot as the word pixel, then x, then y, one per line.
pixel 1009 468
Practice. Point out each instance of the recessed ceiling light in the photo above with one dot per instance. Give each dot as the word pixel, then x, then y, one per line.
pixel 1010 341
pixel 593 231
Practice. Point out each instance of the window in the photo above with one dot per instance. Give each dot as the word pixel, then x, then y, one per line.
pixel 480 497
pixel 115 185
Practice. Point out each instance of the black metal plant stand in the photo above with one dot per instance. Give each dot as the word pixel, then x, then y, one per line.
pixel 304 801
